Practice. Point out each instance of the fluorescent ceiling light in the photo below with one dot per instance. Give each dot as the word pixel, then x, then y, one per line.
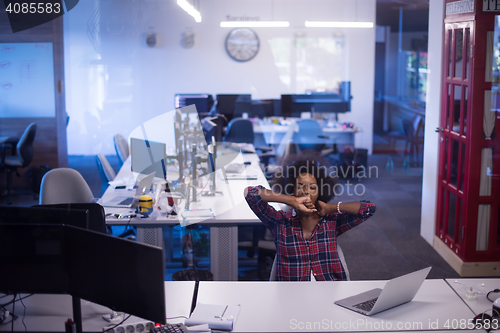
pixel 190 9
pixel 254 24
pixel 326 24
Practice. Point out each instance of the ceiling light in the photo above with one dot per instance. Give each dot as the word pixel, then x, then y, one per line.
pixel 254 24
pixel 331 24
pixel 190 9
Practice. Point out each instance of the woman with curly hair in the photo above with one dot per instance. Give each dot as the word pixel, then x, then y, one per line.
pixel 306 236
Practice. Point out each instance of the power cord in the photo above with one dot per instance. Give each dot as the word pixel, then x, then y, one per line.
pixel 490 292
pixel 116 325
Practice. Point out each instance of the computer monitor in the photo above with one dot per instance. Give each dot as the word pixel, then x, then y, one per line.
pixel 78 217
pixel 233 105
pixel 294 105
pixel 209 129
pixel 58 259
pixel 32 259
pixel 130 278
pixel 203 102
pixel 147 157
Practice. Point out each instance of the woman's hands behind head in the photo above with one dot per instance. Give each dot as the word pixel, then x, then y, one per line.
pixel 304 205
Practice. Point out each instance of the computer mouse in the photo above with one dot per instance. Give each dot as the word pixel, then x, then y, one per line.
pixel 247 163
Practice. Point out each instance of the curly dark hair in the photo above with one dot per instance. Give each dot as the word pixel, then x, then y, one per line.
pixel 310 162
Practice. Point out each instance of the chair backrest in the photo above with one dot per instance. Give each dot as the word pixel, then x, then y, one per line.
pixel 239 130
pixel 64 185
pixel 25 145
pixel 121 147
pixel 105 170
pixel 341 257
pixel 308 135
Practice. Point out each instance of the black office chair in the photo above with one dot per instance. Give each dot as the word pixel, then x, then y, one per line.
pixel 22 158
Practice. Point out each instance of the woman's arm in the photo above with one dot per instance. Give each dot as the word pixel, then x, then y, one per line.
pixel 344 207
pixel 301 204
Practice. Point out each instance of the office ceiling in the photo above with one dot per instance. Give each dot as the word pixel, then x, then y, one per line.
pixel 415 14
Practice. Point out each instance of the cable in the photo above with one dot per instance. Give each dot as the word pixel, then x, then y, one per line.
pixel 493 291
pixel 177 317
pixel 113 327
pixel 24 315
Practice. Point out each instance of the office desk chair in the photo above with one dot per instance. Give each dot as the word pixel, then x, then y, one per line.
pixel 22 158
pixel 122 149
pixel 272 276
pixel 105 170
pixel 64 185
pixel 240 130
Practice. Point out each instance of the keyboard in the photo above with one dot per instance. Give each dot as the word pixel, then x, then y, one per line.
pixel 127 201
pixel 367 305
pixel 170 328
pixel 235 168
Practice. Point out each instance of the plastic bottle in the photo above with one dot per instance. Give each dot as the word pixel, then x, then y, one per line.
pixel 406 164
pixel 389 167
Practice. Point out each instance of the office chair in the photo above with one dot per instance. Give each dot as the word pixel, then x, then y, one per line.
pixel 22 158
pixel 105 170
pixel 414 136
pixel 239 130
pixel 310 137
pixel 122 149
pixel 272 276
pixel 64 185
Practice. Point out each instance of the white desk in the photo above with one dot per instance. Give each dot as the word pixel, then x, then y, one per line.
pixel 482 287
pixel 274 133
pixel 230 210
pixel 47 313
pixel 273 307
pixel 299 306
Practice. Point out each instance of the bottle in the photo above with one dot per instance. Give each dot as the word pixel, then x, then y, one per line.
pixel 406 165
pixel 389 167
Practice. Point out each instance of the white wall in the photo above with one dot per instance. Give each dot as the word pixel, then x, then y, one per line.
pixel 432 114
pixel 127 83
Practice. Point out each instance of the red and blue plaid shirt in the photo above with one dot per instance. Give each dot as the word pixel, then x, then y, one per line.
pixel 296 256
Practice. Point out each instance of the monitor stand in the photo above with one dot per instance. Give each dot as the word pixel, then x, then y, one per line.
pixel 77 313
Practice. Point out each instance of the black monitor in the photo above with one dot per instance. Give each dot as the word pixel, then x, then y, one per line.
pixel 203 102
pixel 117 273
pixel 233 105
pixel 294 105
pixel 57 259
pixel 78 216
pixel 209 129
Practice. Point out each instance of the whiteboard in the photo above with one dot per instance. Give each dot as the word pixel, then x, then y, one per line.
pixel 27 80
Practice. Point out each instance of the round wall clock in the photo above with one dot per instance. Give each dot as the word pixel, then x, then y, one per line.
pixel 242 44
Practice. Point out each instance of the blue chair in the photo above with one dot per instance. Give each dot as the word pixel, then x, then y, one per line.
pixel 239 130
pixel 309 136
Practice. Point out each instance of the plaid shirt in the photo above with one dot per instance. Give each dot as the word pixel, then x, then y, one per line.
pixel 297 256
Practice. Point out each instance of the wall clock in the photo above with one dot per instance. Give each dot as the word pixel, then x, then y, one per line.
pixel 242 44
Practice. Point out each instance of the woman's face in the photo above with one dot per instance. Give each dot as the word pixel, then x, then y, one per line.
pixel 306 185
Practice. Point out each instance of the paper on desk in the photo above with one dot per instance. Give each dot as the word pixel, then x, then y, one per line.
pixel 196 215
pixel 220 317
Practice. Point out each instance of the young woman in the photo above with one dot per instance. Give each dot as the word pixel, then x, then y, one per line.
pixel 306 236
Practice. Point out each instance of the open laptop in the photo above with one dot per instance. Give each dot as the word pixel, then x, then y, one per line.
pixel 127 201
pixel 396 292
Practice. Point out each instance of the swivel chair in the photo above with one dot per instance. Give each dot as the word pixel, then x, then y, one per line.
pixel 105 170
pixel 239 130
pixel 22 158
pixel 122 149
pixel 64 185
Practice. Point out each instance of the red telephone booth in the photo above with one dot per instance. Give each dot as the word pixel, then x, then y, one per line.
pixel 468 207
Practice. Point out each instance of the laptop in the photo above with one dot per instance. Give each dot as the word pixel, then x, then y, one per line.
pixel 396 292
pixel 128 201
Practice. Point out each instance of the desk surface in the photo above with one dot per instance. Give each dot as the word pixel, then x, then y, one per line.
pixel 229 207
pixel 481 287
pixel 308 306
pixel 273 307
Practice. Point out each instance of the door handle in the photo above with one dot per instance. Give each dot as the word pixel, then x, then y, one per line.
pixel 438 129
